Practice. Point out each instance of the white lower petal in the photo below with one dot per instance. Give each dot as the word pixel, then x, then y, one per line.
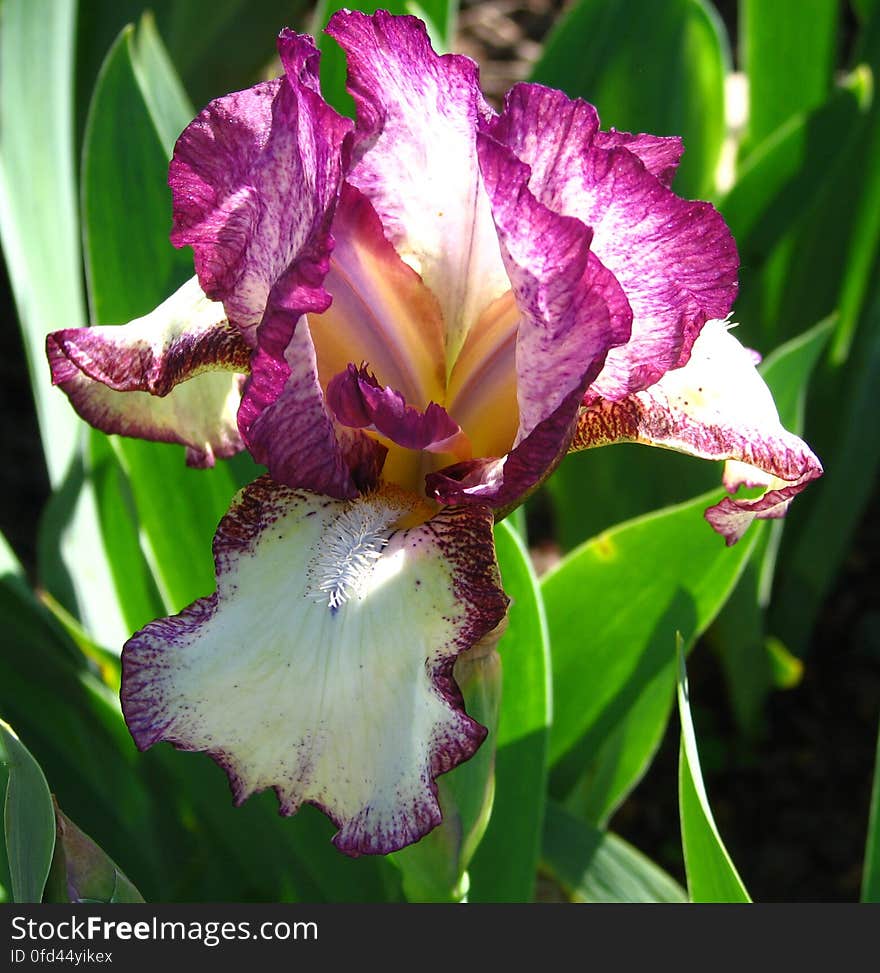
pixel 322 666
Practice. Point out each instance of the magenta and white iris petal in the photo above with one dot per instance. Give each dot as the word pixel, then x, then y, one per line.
pixel 434 304
pixel 716 407
pixel 174 375
pixel 322 665
pixel 675 259
pixel 416 161
pixel 255 179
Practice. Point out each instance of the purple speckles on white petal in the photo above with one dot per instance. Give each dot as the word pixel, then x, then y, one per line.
pixel 172 376
pixel 675 259
pixel 715 407
pixel 330 641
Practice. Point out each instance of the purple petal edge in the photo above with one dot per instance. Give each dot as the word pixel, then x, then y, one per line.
pixel 462 536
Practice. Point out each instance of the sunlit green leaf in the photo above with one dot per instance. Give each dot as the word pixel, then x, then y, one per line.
pixel 871 868
pixel 789 51
pixel 711 874
pixel 503 869
pixel 178 508
pixel 29 821
pixel 39 228
pixel 613 606
pixel 217 46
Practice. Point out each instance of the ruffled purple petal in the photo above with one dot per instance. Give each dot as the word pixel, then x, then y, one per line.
pixel 417 117
pixel 255 179
pixel 173 376
pixel 571 311
pixel 675 260
pixel 715 407
pixel 359 401
pixel 284 420
pixel 322 666
pixel 504 483
pixel 659 154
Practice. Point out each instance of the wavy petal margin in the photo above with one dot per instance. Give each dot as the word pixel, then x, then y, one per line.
pixel 173 376
pixel 675 259
pixel 255 179
pixel 715 407
pixel 329 644
pixel 416 160
pixel 571 311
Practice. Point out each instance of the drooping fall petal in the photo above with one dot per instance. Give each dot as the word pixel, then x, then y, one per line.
pixel 171 376
pixel 330 641
pixel 715 407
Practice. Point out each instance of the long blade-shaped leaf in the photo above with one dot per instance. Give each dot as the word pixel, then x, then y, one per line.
pixel 39 228
pixel 503 869
pixel 131 268
pixel 789 53
pixel 871 868
pixel 593 865
pixel 613 605
pixel 29 819
pixel 711 875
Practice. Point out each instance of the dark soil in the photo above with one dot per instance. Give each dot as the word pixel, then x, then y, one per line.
pixel 793 808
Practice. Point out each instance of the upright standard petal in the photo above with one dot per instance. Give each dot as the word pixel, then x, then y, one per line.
pixel 417 118
pixel 255 179
pixel 675 259
pixel 331 641
pixel 382 312
pixel 172 376
pixel 715 407
pixel 569 312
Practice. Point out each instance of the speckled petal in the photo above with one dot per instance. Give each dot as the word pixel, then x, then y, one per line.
pixel 284 419
pixel 571 311
pixel 255 179
pixel 715 407
pixel 173 376
pixel 322 665
pixel 417 118
pixel 659 154
pixel 675 260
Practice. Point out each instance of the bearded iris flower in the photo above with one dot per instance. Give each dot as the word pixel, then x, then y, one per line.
pixel 409 320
